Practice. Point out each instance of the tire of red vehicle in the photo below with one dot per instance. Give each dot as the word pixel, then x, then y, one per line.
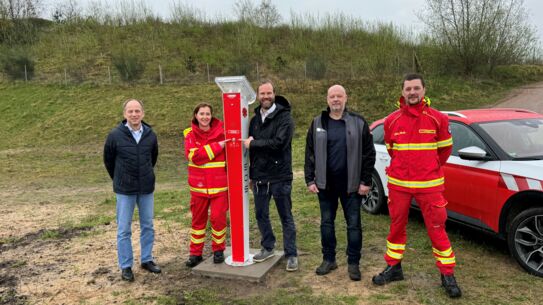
pixel 525 240
pixel 375 202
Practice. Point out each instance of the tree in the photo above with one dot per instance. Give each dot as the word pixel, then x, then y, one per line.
pixel 264 15
pixel 268 15
pixel 19 9
pixel 481 33
pixel 18 21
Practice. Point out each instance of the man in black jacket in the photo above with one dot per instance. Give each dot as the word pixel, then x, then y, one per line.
pixel 339 160
pixel 130 154
pixel 269 144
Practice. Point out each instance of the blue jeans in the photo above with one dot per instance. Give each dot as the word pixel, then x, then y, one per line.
pixel 125 212
pixel 328 200
pixel 281 194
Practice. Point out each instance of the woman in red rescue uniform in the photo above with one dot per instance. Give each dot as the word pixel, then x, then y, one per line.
pixel 419 142
pixel 204 150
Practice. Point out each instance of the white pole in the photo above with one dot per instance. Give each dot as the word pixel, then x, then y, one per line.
pixel 160 72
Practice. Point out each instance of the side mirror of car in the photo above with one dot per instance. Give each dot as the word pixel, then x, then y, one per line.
pixel 473 153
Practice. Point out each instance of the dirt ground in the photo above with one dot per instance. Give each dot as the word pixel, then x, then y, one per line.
pixel 527 97
pixel 78 266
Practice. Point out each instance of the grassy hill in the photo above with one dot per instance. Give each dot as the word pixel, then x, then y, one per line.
pixel 51 138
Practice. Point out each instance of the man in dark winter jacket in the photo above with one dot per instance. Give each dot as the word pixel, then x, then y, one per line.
pixel 269 144
pixel 339 160
pixel 130 154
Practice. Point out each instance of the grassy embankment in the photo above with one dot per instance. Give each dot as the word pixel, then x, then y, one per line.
pixel 52 136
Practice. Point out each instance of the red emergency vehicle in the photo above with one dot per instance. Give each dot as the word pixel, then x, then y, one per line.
pixel 493 178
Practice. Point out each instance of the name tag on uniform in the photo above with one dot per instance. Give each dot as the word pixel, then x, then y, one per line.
pixel 432 131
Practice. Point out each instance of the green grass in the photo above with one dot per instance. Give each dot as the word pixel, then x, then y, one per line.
pixel 52 137
pixel 50 234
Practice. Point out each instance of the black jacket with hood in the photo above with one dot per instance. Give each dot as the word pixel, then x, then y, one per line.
pixel 360 151
pixel 271 152
pixel 131 164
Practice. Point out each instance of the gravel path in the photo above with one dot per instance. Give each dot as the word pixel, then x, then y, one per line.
pixel 527 97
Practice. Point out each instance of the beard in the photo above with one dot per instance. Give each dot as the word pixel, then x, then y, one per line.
pixel 266 103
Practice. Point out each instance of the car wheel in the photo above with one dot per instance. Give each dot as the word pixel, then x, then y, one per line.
pixel 525 239
pixel 374 203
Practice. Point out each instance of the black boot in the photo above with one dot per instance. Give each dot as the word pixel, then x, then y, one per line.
pixel 218 257
pixel 193 261
pixel 451 287
pixel 390 274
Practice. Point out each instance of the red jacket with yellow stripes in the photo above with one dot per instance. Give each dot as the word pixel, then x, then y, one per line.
pixel 419 142
pixel 207 166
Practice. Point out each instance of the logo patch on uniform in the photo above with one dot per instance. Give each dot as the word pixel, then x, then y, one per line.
pixel 399 133
pixel 432 131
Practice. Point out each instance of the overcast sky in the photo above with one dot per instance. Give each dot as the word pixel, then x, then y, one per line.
pixel 400 12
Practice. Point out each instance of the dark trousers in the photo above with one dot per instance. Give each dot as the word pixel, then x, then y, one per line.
pixel 281 195
pixel 328 200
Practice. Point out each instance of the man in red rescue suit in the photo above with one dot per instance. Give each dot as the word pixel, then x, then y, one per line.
pixel 204 149
pixel 419 142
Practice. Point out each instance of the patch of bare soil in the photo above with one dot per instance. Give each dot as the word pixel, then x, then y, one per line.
pixel 44 263
pixel 77 268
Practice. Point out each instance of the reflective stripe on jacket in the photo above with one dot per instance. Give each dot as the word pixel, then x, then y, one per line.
pixel 419 142
pixel 206 160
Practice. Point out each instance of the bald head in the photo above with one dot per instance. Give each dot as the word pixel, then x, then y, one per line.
pixel 337 98
pixel 337 88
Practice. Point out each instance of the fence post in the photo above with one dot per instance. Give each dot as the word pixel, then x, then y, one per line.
pixel 160 73
pixel 26 75
pixel 208 78
pixel 414 63
pixel 398 64
pixel 305 70
pixel 257 73
pixel 109 74
pixel 65 77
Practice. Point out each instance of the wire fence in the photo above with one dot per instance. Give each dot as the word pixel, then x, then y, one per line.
pixel 184 73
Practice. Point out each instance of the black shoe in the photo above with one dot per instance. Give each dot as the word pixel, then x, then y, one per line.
pixel 354 272
pixel 218 257
pixel 193 261
pixel 451 287
pixel 326 267
pixel 390 274
pixel 151 267
pixel 127 275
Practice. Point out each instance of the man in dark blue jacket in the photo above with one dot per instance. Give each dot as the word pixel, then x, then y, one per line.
pixel 270 152
pixel 130 154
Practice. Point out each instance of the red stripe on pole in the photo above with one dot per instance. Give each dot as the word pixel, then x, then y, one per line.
pixel 234 159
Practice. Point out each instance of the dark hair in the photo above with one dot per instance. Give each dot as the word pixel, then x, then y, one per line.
pixel 412 76
pixel 197 108
pixel 263 82
pixel 132 99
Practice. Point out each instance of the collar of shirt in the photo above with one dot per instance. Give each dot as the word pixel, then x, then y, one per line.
pixel 265 113
pixel 136 134
pixel 134 131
